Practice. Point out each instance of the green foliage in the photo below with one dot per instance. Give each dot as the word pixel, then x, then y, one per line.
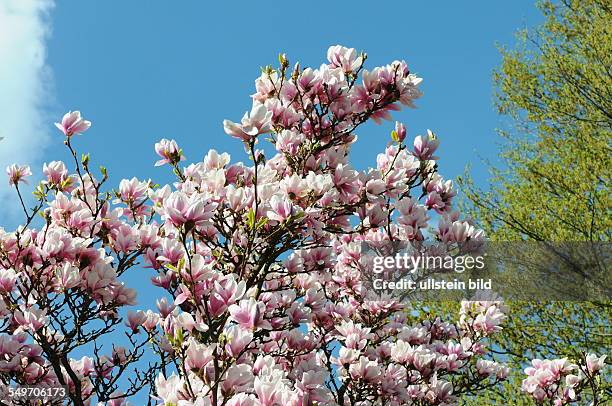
pixel 556 89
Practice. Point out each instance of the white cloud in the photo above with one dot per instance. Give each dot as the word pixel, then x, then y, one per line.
pixel 25 83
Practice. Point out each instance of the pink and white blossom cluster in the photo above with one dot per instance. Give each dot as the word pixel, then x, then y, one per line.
pixel 257 266
pixel 560 382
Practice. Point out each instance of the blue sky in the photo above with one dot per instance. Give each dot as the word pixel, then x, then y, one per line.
pixel 143 70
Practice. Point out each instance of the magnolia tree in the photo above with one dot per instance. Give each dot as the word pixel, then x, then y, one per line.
pixel 257 266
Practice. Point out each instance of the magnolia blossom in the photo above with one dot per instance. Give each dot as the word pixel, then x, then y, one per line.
pixel 254 123
pixel 425 146
pixel 68 277
pixel 248 314
pixel 32 319
pixel 281 208
pixel 486 367
pixel 136 319
pixel 181 209
pixel 560 382
pixel 238 340
pixel 17 174
pixel 594 363
pixel 198 355
pixel 72 123
pixel 342 57
pixel 258 266
pixel 484 317
pixel 8 277
pixel 545 376
pixel 168 389
pixel 169 151
pixel 400 131
pixel 55 171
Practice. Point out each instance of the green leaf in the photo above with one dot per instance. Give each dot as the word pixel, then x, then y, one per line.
pixel 394 136
pixel 282 60
pixel 251 219
pixel 262 222
pixel 85 159
pixel 178 337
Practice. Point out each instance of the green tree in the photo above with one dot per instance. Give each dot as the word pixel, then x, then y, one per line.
pixel 556 90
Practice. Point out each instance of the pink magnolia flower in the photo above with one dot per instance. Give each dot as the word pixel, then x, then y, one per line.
pixel 169 151
pixel 267 392
pixel 225 293
pixel 33 372
pixel 365 369
pixel 238 378
pixel 198 270
pixel 55 172
pixel 165 307
pixel 84 366
pixel 249 314
pixel 125 239
pixel 346 181
pixel 72 123
pixel 236 198
pixel 402 352
pixel 489 321
pixel 413 216
pixel 68 277
pixel 354 335
pixel 169 390
pixel 171 251
pixel 265 85
pixel 181 209
pixel 309 82
pixel 8 277
pixel 18 173
pixel 425 146
pixel 238 340
pixel 348 356
pixel 254 123
pixel 486 368
pixel 545 377
pixel 152 319
pixel 99 278
pixel 400 130
pixel 243 399
pixel 214 160
pixel 135 320
pixel 122 295
pixel 31 318
pixel 345 58
pixel 440 193
pixel 188 323
pixel 198 355
pixel 289 142
pixel 281 208
pixel 133 191
pixel 376 216
pixel 375 187
pixel 594 363
pixel 440 392
pixel 459 231
pixel 573 380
